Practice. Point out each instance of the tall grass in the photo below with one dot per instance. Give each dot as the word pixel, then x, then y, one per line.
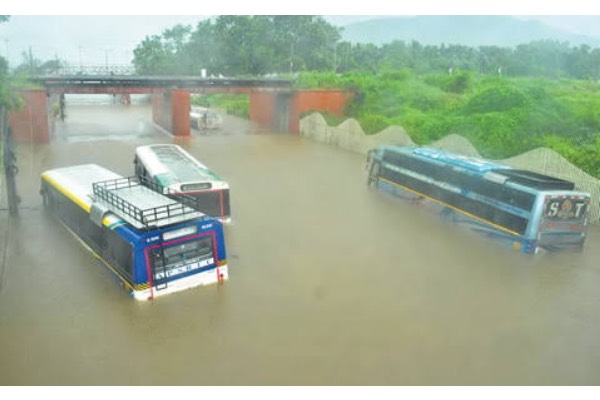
pixel 501 116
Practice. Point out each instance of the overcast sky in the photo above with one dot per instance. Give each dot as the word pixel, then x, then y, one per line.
pixel 89 40
pixel 96 40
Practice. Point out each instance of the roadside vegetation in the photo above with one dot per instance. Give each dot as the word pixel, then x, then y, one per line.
pixel 9 100
pixel 233 104
pixel 501 116
pixel 504 100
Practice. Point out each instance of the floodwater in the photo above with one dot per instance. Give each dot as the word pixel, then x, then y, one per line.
pixel 331 283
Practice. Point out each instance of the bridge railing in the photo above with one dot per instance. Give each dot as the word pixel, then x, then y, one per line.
pixel 94 70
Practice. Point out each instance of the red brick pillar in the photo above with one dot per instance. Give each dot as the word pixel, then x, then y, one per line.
pixel 30 124
pixel 180 111
pixel 262 109
pixel 161 110
pixel 171 112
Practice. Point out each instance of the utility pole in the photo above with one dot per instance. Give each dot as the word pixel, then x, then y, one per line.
pixel 292 58
pixel 335 56
pixel 7 55
pixel 30 61
pixel 10 165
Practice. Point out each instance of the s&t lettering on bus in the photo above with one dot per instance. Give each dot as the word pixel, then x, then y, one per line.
pixel 565 208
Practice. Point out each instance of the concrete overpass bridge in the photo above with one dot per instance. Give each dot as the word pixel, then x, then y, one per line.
pixel 274 104
pixel 135 84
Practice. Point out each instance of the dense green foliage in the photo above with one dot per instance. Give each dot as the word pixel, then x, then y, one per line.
pixel 502 117
pixel 235 45
pixel 7 98
pixel 4 88
pixel 233 104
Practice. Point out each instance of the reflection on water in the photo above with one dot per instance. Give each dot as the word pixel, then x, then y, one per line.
pixel 330 283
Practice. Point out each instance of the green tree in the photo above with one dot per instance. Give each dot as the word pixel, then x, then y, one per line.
pixel 8 95
pixel 494 60
pixel 31 65
pixel 244 45
pixel 202 51
pixel 151 57
pixel 5 97
pixel 546 58
pixel 174 42
pixel 360 57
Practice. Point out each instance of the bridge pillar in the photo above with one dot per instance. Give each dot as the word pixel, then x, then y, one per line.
pixel 171 111
pixel 180 110
pixel 31 124
pixel 262 109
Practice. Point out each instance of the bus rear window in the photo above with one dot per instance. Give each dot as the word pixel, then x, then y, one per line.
pixel 182 257
pixel 196 186
pixel 565 208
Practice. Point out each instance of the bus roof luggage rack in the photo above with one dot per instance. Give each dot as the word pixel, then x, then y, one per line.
pixel 535 180
pixel 140 206
pixel 183 198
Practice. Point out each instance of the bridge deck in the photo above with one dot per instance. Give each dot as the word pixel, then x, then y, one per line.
pixel 149 84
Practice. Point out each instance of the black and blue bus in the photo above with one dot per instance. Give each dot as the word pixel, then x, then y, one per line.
pixel 525 209
pixel 153 244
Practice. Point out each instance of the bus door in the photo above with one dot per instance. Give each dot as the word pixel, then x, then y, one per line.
pixel 158 266
pixel 564 221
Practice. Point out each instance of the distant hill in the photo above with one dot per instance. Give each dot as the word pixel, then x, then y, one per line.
pixel 472 30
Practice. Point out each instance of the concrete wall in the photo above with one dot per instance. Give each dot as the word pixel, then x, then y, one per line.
pixel 350 136
pixel 31 123
pixel 331 101
pixel 265 106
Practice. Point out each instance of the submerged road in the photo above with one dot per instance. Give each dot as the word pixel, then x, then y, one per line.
pixel 331 283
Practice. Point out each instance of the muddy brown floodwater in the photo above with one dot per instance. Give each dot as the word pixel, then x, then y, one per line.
pixel 331 283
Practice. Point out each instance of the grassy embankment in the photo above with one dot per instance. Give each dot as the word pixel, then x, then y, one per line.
pixel 501 116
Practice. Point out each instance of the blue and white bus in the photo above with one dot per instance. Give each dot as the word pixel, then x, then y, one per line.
pixel 171 170
pixel 527 210
pixel 153 244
